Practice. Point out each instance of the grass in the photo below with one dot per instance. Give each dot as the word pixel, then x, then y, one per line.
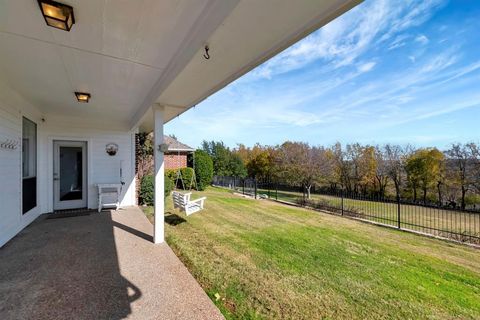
pixel 417 218
pixel 262 260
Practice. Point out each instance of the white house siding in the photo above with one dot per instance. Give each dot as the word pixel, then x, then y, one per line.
pixel 12 108
pixel 101 168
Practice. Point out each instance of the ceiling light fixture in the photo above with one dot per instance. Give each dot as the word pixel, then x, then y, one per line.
pixel 83 97
pixel 57 15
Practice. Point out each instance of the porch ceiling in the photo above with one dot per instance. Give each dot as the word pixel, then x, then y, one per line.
pixel 116 51
pixel 132 54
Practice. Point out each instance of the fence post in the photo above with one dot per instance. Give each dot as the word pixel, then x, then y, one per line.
pixel 398 212
pixel 255 183
pixel 276 191
pixel 243 186
pixel 341 192
pixel 269 187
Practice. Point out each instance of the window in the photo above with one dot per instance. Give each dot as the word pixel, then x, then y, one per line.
pixel 29 165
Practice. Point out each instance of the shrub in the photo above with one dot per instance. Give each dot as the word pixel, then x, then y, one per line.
pixel 171 174
pixel 187 176
pixel 146 190
pixel 146 195
pixel 203 169
pixel 185 182
pixel 168 186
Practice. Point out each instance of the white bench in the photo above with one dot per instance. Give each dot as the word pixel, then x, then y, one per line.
pixel 110 191
pixel 182 201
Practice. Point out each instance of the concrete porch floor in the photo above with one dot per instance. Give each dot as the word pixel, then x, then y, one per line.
pixel 101 266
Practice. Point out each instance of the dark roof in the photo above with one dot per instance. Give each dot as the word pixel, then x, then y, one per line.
pixel 175 145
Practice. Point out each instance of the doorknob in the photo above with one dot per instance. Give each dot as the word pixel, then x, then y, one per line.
pixel 55 177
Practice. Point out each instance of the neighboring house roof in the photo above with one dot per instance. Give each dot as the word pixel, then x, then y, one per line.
pixel 175 145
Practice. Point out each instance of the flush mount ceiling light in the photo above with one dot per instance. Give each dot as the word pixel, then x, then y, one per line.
pixel 82 97
pixel 57 15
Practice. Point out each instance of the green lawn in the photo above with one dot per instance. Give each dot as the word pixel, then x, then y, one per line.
pixel 416 218
pixel 262 260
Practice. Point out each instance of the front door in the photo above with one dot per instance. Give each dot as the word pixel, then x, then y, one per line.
pixel 69 174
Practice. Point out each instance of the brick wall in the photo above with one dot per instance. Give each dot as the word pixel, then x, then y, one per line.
pixel 175 161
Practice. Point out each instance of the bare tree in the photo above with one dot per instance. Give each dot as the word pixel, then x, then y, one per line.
pixel 461 156
pixel 381 171
pixel 474 150
pixel 395 165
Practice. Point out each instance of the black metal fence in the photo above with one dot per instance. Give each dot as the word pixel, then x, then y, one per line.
pixel 451 223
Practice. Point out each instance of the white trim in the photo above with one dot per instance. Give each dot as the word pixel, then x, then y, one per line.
pixel 159 200
pixel 73 204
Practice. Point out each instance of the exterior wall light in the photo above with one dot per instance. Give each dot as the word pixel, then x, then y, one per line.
pixel 82 97
pixel 57 15
pixel 163 147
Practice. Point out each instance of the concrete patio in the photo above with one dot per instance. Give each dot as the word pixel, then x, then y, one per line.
pixel 99 266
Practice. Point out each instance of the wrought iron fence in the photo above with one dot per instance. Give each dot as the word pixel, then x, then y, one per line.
pixel 441 221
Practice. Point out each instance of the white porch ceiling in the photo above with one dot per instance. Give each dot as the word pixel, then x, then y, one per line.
pixel 116 51
pixel 130 54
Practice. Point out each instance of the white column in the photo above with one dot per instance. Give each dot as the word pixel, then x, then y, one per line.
pixel 159 205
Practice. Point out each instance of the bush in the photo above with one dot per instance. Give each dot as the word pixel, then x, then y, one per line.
pixel 203 169
pixel 146 195
pixel 187 176
pixel 186 182
pixel 146 190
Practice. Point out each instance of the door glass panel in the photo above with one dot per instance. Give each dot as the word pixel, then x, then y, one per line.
pixel 71 173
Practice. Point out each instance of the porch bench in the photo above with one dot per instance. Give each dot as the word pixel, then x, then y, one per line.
pixel 182 201
pixel 110 191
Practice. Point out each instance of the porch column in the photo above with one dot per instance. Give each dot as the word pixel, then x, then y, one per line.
pixel 159 202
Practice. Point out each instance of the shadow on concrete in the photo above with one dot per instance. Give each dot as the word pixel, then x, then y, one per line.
pixel 65 269
pixel 133 231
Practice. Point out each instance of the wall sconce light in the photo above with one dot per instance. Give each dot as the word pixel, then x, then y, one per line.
pixel 163 147
pixel 111 149
pixel 83 97
pixel 57 15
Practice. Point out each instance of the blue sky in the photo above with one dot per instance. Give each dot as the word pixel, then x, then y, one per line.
pixel 386 71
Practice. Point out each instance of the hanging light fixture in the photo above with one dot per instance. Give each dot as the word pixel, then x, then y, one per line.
pixel 82 97
pixel 57 15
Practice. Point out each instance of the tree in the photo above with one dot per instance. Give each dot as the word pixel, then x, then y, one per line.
pixel 394 165
pixel 353 153
pixel 221 156
pixel 236 166
pixel 261 164
pixel 367 169
pixel 341 167
pixel 299 164
pixel 203 169
pixel 424 168
pixel 474 167
pixel 144 154
pixel 462 170
pixel 381 171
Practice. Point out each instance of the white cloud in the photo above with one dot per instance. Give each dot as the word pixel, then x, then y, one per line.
pixel 365 67
pixel 422 39
pixel 343 40
pixel 398 42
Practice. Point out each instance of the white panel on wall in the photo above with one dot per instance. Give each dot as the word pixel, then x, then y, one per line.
pixel 12 108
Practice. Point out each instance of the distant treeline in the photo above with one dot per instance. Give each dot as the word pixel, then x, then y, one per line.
pixel 421 175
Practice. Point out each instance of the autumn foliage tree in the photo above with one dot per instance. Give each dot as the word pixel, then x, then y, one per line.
pixel 425 175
